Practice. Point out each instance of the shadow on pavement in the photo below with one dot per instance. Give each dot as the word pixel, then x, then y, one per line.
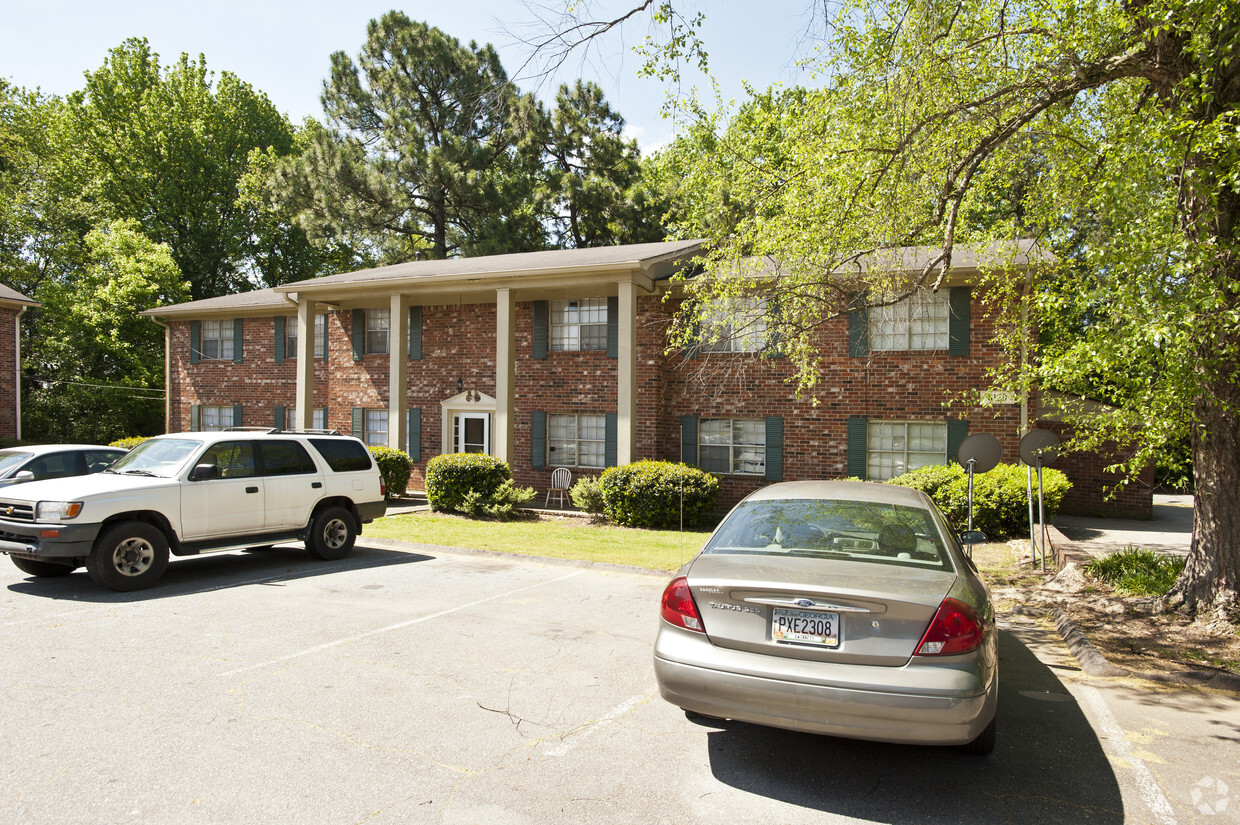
pixel 219 571
pixel 1048 766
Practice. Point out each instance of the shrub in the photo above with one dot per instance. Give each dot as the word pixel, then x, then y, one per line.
pixel 1137 572
pixel 394 466
pixel 587 496
pixel 648 494
pixel 1000 497
pixel 474 484
pixel 128 443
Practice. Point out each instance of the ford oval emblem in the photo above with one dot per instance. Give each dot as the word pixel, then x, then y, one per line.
pixel 805 603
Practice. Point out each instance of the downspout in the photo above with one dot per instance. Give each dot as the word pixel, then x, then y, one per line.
pixel 167 372
pixel 1024 352
pixel 17 371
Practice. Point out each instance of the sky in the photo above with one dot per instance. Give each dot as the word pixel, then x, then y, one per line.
pixel 283 48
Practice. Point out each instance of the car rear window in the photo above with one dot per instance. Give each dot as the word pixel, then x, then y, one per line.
pixel 285 458
pixel 825 528
pixel 343 455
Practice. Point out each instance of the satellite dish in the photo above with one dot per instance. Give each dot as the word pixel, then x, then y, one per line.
pixel 983 449
pixel 1039 448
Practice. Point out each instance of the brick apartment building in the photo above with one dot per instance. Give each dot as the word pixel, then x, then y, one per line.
pixel 557 359
pixel 12 305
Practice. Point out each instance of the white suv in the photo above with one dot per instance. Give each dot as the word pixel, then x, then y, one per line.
pixel 191 493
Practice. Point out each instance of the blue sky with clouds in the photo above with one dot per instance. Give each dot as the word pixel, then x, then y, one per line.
pixel 283 48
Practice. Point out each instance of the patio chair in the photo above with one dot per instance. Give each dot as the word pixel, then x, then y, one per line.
pixel 561 481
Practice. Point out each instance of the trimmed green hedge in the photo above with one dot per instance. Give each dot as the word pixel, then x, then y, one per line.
pixel 474 484
pixel 1000 497
pixel 648 494
pixel 394 466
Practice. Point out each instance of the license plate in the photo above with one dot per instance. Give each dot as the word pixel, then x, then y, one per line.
pixel 805 627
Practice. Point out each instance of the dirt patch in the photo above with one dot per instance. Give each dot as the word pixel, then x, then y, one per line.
pixel 1132 632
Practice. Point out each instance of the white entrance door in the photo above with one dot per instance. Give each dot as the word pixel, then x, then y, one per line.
pixel 472 432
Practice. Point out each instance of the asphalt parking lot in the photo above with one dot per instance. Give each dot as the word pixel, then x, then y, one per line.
pixel 424 685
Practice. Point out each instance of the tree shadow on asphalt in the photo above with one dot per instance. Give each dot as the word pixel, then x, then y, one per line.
pixel 1048 765
pixel 219 571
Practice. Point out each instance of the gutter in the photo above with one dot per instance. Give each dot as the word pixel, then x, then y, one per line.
pixel 17 371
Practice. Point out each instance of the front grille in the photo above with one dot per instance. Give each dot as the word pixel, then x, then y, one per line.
pixel 17 511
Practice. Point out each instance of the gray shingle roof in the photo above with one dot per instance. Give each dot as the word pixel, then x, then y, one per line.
pixel 10 294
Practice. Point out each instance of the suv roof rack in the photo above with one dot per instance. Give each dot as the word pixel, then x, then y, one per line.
pixel 310 431
pixel 251 430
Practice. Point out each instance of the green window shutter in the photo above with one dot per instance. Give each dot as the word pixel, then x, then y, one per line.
pixel 359 423
pixel 195 341
pixel 414 428
pixel 323 354
pixel 238 339
pixel 959 299
pixel 195 416
pixel 237 421
pixel 613 327
pixel 279 422
pixel 359 334
pixel 538 440
pixel 541 331
pixel 857 443
pixel 280 321
pixel 688 439
pixel 858 329
pixel 611 447
pixel 415 333
pixel 774 448
pixel 957 430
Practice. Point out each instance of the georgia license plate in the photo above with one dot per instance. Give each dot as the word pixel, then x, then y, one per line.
pixel 805 627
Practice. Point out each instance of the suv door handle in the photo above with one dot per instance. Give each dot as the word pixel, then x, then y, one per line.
pixel 251 489
pixel 316 485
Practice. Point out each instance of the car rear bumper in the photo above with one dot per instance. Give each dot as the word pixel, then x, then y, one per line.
pixel 371 510
pixel 950 709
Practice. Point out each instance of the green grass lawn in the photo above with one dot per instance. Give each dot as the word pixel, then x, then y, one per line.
pixel 560 538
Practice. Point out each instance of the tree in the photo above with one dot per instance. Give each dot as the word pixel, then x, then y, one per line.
pixel 1115 127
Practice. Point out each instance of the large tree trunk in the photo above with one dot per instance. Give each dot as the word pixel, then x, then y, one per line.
pixel 1211 579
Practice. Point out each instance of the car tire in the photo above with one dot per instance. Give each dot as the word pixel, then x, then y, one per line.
pixel 332 533
pixel 985 741
pixel 43 569
pixel 130 556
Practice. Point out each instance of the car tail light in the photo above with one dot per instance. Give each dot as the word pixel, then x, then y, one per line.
pixel 956 628
pixel 382 487
pixel 679 608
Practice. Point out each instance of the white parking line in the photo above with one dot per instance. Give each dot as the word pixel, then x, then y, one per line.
pixel 1120 747
pixel 397 626
pixel 612 715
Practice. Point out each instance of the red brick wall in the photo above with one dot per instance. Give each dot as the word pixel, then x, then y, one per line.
pixel 8 373
pixel 1093 492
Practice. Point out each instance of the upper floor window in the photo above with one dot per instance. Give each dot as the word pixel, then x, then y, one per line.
pixel 378 323
pixel 732 445
pixel 579 325
pixel 737 325
pixel 217 340
pixel 896 447
pixel 290 336
pixel 919 322
pixel 577 440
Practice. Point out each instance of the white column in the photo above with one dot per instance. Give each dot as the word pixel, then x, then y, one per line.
pixel 626 375
pixel 398 371
pixel 503 443
pixel 306 312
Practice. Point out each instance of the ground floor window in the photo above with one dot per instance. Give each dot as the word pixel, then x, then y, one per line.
pixel 318 418
pixel 375 429
pixel 732 445
pixel 896 447
pixel 577 440
pixel 214 419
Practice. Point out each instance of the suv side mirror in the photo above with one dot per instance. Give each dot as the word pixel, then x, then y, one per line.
pixel 24 475
pixel 204 471
pixel 973 537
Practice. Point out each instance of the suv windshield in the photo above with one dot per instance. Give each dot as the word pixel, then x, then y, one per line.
pixel 158 457
pixel 831 528
pixel 10 458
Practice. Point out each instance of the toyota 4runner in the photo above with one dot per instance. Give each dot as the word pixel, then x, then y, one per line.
pixel 191 493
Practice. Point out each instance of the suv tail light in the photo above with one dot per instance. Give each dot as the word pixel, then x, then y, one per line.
pixel 956 628
pixel 382 486
pixel 679 608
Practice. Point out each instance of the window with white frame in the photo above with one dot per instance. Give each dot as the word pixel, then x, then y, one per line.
pixel 375 430
pixel 290 336
pixel 579 325
pixel 378 323
pixel 896 447
pixel 920 322
pixel 732 445
pixel 737 325
pixel 318 418
pixel 577 440
pixel 214 419
pixel 216 341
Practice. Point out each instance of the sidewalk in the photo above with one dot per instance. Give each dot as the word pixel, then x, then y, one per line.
pixel 1170 531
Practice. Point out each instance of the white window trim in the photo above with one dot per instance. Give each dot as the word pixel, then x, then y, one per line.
pixel 220 411
pixel 597 307
pixel 372 316
pixel 367 432
pixel 736 325
pixel 941 457
pixel 290 336
pixel 931 309
pixel 577 441
pixel 222 336
pixel 733 446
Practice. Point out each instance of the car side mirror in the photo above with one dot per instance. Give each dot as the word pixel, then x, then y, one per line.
pixel 973 537
pixel 204 471
pixel 24 475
